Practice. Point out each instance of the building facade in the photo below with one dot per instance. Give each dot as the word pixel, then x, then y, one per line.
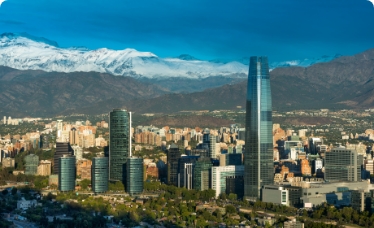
pixel 66 174
pixel 31 164
pixel 134 179
pixel 173 155
pixel 258 155
pixel 120 143
pixel 219 175
pixel 100 174
pixel 342 164
pixel 62 148
pixel 202 174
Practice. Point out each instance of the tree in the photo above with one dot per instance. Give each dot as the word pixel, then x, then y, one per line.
pixel 84 184
pixel 230 209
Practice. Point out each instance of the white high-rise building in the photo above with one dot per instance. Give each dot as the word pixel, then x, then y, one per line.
pixel 212 146
pixel 4 120
pixel 220 173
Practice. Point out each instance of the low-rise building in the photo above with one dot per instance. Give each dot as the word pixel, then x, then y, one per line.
pixel 25 204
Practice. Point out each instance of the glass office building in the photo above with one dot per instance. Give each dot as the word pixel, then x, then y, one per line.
pixel 119 143
pixel 202 173
pixel 62 148
pixel 134 180
pixel 66 174
pixel 100 174
pixel 258 157
pixel 173 155
pixel 31 164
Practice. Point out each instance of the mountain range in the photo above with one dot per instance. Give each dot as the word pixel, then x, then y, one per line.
pixel 26 52
pixel 343 82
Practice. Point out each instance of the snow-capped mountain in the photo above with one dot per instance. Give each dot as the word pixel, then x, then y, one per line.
pixel 26 52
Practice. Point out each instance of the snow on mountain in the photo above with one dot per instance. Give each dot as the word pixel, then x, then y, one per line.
pixel 24 52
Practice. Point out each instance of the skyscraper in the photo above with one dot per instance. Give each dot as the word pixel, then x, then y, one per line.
pixel 99 175
pixel 62 148
pixel 119 143
pixel 134 172
pixel 173 155
pixel 66 174
pixel 258 157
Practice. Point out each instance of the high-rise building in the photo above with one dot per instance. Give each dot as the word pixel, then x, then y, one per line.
pixel 235 185
pixel 173 155
pixel 219 175
pixel 100 174
pixel 31 164
pixel 66 174
pixel 185 171
pixel 212 146
pixel 62 148
pixel 119 143
pixel 342 164
pixel 202 173
pixel 258 157
pixel 134 179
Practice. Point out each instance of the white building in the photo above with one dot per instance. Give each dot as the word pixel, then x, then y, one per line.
pixel 220 173
pixel 25 204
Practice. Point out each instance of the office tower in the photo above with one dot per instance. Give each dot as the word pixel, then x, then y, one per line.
pixel 31 164
pixel 62 148
pixel 44 141
pixel 66 174
pixel 235 184
pixel 313 143
pixel 212 146
pixel 233 159
pixel 220 173
pixel 134 179
pixel 100 174
pixel 202 173
pixel 59 130
pixel 78 152
pixel 185 171
pixel 258 157
pixel 342 164
pixel 119 143
pixel 173 155
pixel 73 136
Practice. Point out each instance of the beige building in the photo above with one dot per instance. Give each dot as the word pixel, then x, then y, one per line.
pixel 44 168
pixel 84 169
pixel 8 163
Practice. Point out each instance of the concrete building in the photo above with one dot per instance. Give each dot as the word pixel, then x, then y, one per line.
pixel 342 164
pixel 293 224
pixel 275 194
pixel 26 204
pixel 8 163
pixel 84 169
pixel 44 168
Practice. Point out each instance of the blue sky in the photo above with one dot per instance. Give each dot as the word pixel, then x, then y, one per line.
pixel 206 29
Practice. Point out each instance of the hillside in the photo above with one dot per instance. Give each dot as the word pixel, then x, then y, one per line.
pixel 38 93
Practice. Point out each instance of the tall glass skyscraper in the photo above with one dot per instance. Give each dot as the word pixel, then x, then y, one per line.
pixel 258 157
pixel 119 144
